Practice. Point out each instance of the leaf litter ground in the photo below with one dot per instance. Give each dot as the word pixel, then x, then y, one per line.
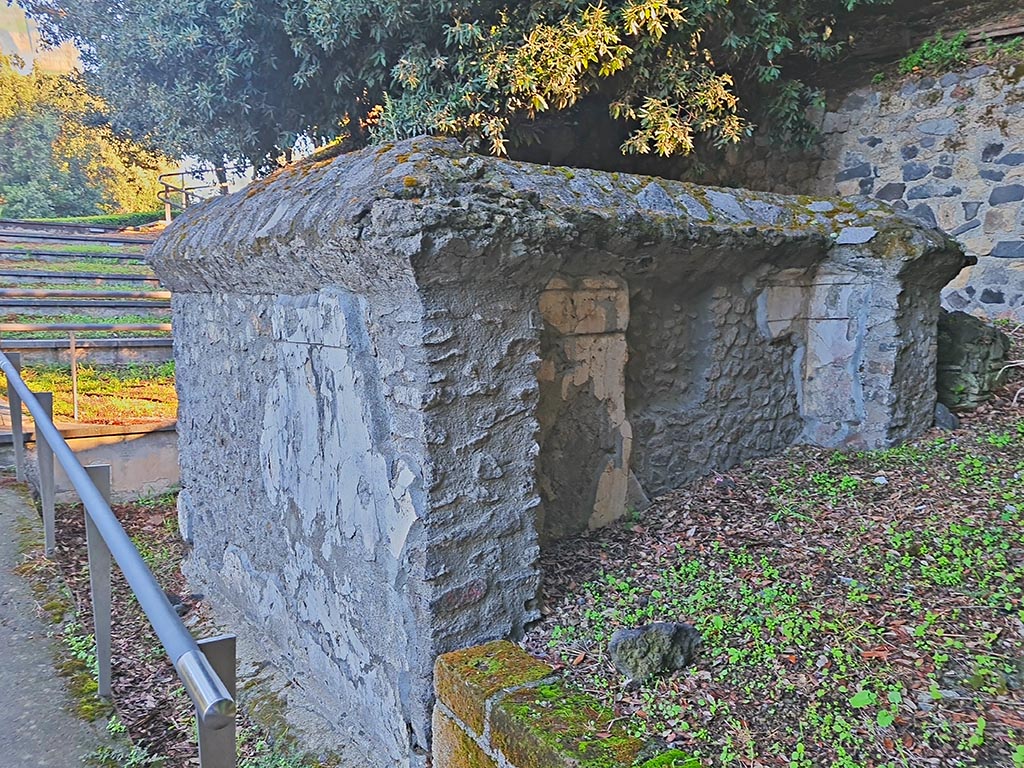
pixel 857 609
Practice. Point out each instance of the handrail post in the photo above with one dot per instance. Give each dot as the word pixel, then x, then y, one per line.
pixel 73 343
pixel 217 748
pixel 17 430
pixel 47 488
pixel 99 581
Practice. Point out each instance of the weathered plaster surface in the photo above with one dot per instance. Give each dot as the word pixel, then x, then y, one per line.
pixel 383 359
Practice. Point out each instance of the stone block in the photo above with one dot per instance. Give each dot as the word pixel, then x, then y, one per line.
pixel 971 356
pixel 1011 193
pixel 465 680
pixel 553 727
pixel 452 747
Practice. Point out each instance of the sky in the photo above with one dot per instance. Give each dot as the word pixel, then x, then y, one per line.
pixel 18 36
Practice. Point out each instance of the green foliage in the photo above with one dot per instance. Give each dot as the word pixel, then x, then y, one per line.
pixel 938 53
pixel 110 219
pixel 245 79
pixel 59 159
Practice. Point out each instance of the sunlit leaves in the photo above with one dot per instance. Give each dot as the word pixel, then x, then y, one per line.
pixel 233 77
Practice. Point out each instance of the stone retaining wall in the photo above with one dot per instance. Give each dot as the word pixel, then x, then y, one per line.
pixel 948 149
pixel 498 707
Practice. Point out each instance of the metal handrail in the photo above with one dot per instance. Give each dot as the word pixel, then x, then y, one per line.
pixel 189 195
pixel 202 666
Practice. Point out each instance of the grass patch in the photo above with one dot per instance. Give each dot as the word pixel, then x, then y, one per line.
pixel 110 220
pixel 83 248
pixel 940 54
pixel 71 318
pixel 107 394
pixel 102 266
pixel 76 285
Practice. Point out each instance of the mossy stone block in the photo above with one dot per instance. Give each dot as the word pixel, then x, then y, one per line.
pixel 452 747
pixel 550 726
pixel 464 680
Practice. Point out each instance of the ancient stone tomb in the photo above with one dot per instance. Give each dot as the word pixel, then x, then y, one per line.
pixel 401 370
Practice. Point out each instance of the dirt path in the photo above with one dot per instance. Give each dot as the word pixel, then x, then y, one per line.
pixel 37 729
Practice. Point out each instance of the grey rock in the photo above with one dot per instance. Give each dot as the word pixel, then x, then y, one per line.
pixel 945 419
pixel 938 127
pixel 915 171
pixel 1009 249
pixel 891 191
pixel 821 206
pixel 727 206
pixel 932 189
pixel 654 649
pixel 991 152
pixel 978 71
pixel 1011 193
pixel 923 213
pixel 765 213
pixel 865 186
pixel 990 296
pixel 909 152
pixel 859 171
pixel 967 226
pixel 1013 159
pixel 693 207
pixel 871 141
pixel 908 89
pixel 950 78
pixel 853 102
pixel 942 172
pixel 856 235
pixel 990 175
pixel 654 198
pixel 971 209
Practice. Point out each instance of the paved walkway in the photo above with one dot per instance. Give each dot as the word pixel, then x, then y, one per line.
pixel 37 729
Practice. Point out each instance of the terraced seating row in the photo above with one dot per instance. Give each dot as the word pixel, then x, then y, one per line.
pixel 65 289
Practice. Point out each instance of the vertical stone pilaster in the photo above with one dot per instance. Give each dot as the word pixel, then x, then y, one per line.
pixel 586 439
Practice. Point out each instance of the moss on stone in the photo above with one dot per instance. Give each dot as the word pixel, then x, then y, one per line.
pixel 551 725
pixel 464 680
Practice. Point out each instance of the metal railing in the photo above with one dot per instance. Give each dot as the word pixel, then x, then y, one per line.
pixel 206 667
pixel 178 194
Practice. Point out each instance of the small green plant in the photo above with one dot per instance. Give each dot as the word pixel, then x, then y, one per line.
pixel 936 54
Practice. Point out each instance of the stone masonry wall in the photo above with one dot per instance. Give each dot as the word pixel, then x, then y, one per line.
pixel 949 150
pixel 399 369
